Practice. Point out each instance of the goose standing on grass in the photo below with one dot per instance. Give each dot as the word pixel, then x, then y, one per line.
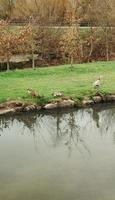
pixel 57 94
pixel 32 93
pixel 97 83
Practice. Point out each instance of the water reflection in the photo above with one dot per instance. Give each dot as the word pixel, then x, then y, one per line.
pixel 69 128
pixel 59 155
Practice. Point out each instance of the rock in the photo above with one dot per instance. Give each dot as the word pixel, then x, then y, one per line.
pixel 66 103
pixel 31 108
pixel 13 104
pixel 50 106
pixel 87 102
pixel 38 107
pixel 62 104
pixel 110 97
pixel 78 104
pixel 66 98
pixel 6 111
pixel 97 99
pixel 17 106
pixel 2 106
pixel 18 109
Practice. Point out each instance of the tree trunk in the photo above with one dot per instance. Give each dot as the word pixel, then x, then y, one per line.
pixel 33 61
pixel 81 48
pixel 107 45
pixel 71 62
pixel 8 64
pixel 91 49
pixel 91 43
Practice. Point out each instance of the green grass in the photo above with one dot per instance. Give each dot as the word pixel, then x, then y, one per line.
pixel 76 83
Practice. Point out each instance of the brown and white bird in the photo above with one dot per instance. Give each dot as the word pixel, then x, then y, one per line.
pixel 32 93
pixel 97 83
pixel 57 94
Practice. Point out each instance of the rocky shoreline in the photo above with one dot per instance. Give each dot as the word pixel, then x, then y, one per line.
pixel 14 107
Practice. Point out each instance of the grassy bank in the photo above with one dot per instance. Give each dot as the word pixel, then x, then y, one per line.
pixel 76 83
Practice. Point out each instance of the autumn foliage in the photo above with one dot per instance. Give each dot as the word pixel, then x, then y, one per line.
pixel 11 42
pixel 54 30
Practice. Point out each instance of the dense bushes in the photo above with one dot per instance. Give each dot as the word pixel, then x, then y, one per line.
pixel 55 45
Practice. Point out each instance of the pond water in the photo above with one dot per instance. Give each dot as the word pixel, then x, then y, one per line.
pixel 58 156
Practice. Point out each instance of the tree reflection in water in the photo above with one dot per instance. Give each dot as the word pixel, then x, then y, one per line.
pixel 58 128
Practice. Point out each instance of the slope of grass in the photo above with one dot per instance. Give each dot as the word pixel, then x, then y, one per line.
pixel 76 83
